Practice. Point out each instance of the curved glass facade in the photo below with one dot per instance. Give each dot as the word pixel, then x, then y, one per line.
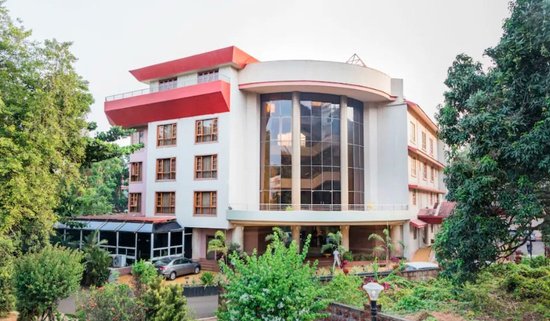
pixel 320 185
pixel 276 151
pixel 356 170
pixel 320 151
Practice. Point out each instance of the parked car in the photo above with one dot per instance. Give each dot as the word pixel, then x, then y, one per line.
pixel 419 266
pixel 172 267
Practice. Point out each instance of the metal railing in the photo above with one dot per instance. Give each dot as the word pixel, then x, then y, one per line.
pixel 321 207
pixel 166 86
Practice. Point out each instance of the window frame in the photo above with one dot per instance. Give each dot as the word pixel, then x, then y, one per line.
pixel 413 132
pixel 425 171
pixel 432 174
pixel 414 197
pixel 199 131
pixel 134 201
pixel 424 140
pixel 161 141
pixel 138 137
pixel 133 165
pixel 431 146
pixel 159 176
pixel 212 209
pixel 159 205
pixel 199 167
pixel 413 167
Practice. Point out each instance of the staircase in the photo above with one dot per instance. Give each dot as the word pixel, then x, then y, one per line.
pixel 422 255
pixel 209 265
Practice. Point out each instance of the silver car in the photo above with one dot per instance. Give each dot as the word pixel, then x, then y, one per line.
pixel 172 267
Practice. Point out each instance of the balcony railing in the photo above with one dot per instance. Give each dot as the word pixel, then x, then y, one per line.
pixel 322 207
pixel 166 86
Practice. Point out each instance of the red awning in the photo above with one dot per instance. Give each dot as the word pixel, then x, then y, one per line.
pixel 418 223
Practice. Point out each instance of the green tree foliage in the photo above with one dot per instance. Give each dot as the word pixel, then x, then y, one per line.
pixel 218 244
pixel 165 303
pixel 96 261
pixel 112 302
pixel 496 123
pixel 334 242
pixel 346 289
pixel 43 278
pixel 143 273
pixel 7 298
pixel 274 286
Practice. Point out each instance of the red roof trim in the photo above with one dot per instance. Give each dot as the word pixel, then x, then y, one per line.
pixel 425 189
pixel 208 60
pixel 128 218
pixel 418 223
pixel 431 219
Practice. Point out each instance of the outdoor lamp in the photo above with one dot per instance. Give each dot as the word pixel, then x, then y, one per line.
pixel 373 290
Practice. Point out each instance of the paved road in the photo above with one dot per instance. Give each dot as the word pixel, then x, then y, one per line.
pixel 200 307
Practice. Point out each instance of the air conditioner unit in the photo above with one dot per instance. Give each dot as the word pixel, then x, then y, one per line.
pixel 119 261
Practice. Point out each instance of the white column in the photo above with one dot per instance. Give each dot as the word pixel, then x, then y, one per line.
pixel 238 236
pixel 296 173
pixel 296 234
pixel 116 243
pixel 344 229
pixel 344 153
pixel 410 246
pixel 195 244
pixel 396 234
pixel 152 246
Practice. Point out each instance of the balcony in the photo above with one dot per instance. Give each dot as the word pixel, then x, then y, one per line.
pixel 170 100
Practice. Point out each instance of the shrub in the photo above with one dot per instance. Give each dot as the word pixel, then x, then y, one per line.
pixel 96 262
pixel 274 286
pixel 7 299
pixel 42 279
pixel 112 302
pixel 348 256
pixel 207 278
pixel 165 303
pixel 346 289
pixel 144 273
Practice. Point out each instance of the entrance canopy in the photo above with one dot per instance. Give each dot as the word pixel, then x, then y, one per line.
pixel 124 223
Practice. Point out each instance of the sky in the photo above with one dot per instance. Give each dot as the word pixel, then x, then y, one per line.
pixel 413 40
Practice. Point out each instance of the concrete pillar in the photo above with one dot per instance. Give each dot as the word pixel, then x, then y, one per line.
pixel 410 246
pixel 296 172
pixel 396 234
pixel 238 236
pixel 344 229
pixel 296 234
pixel 196 244
pixel 344 186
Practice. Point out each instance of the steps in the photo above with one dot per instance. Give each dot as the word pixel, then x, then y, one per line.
pixel 209 265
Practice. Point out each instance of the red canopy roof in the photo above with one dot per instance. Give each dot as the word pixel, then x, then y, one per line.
pixel 418 223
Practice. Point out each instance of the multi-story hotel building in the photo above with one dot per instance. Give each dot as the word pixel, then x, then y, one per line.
pixel 236 144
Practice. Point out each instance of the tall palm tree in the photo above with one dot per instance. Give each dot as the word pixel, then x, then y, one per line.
pixel 218 244
pixel 386 245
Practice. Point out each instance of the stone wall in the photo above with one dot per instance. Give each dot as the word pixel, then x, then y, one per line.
pixel 423 275
pixel 342 312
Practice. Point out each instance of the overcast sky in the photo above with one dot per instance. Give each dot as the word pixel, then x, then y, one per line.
pixel 414 40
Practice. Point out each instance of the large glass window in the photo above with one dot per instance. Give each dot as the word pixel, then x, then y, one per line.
pixel 320 151
pixel 356 171
pixel 276 148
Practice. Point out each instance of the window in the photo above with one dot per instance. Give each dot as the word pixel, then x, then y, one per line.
pixel 413 132
pixel 431 147
pixel 206 166
pixel 166 135
pixel 432 174
pixel 413 166
pixel 205 203
pixel 414 197
pixel 138 137
pixel 167 84
pixel 425 172
pixel 135 171
pixel 135 203
pixel 207 76
pixel 423 140
pixel 206 130
pixel 165 202
pixel 166 168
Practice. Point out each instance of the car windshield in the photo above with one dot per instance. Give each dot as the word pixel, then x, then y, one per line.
pixel 164 261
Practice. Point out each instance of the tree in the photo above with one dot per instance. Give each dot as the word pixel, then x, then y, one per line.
pixel 386 246
pixel 164 303
pixel 43 278
pixel 7 298
pixel 334 242
pixel 96 261
pixel 218 245
pixel 112 302
pixel 277 285
pixel 496 124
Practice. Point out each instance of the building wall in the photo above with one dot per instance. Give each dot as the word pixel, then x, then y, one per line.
pixel 140 187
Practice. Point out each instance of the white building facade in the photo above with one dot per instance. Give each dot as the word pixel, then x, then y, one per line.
pixel 239 145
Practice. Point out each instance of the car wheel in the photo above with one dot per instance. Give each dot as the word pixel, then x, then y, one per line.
pixel 173 276
pixel 197 270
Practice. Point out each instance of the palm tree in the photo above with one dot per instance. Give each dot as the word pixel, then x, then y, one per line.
pixel 218 245
pixel 387 245
pixel 334 242
pixel 284 236
pixel 96 261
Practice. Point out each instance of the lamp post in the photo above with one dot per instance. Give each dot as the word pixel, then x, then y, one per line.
pixel 373 290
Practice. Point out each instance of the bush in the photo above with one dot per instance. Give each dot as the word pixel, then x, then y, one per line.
pixel 165 303
pixel 42 279
pixel 7 299
pixel 96 262
pixel 274 286
pixel 144 273
pixel 112 302
pixel 346 289
pixel 207 278
pixel 348 256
